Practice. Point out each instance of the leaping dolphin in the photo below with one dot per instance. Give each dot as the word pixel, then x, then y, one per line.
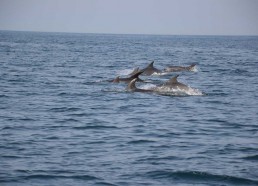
pixel 171 87
pixel 179 68
pixel 127 80
pixel 173 83
pixel 177 88
pixel 150 69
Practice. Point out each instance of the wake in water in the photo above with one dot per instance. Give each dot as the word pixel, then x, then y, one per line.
pixel 161 91
pixel 179 92
pixel 176 91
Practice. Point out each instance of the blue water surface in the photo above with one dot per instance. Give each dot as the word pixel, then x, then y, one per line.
pixel 62 123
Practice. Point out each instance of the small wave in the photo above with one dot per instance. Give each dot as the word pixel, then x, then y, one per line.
pixel 116 90
pixel 43 176
pixel 52 138
pixel 240 71
pixel 158 159
pixel 3 96
pixel 95 127
pixel 49 177
pixel 67 120
pixel 64 109
pixel 27 119
pixel 105 183
pixel 11 156
pixel 79 114
pixel 254 157
pixel 70 94
pixel 140 141
pixel 21 127
pixel 200 177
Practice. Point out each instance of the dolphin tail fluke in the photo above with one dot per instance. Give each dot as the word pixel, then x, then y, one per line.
pixel 131 85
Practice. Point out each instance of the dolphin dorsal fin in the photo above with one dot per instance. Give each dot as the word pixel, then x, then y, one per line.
pixel 173 80
pixel 150 65
pixel 116 80
pixel 136 75
pixel 131 85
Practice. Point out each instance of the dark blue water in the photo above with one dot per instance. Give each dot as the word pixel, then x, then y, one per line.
pixel 62 124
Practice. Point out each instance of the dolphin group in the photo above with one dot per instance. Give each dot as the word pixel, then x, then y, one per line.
pixel 150 70
pixel 169 86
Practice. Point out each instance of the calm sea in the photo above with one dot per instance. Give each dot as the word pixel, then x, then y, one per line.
pixel 61 123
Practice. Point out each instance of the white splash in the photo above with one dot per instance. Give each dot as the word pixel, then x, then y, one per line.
pixel 98 81
pixel 179 92
pixel 194 69
pixel 160 73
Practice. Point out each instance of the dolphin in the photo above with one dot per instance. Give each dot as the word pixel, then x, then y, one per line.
pixel 150 69
pixel 179 68
pixel 177 87
pixel 167 87
pixel 128 79
pixel 173 83
pixel 131 87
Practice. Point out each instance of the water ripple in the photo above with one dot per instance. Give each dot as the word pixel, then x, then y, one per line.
pixel 200 177
pixel 62 123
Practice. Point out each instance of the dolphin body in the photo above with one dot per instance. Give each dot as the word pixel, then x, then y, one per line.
pixel 174 84
pixel 127 80
pixel 170 84
pixel 179 68
pixel 150 69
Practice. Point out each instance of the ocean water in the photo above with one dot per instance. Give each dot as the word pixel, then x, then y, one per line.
pixel 62 123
